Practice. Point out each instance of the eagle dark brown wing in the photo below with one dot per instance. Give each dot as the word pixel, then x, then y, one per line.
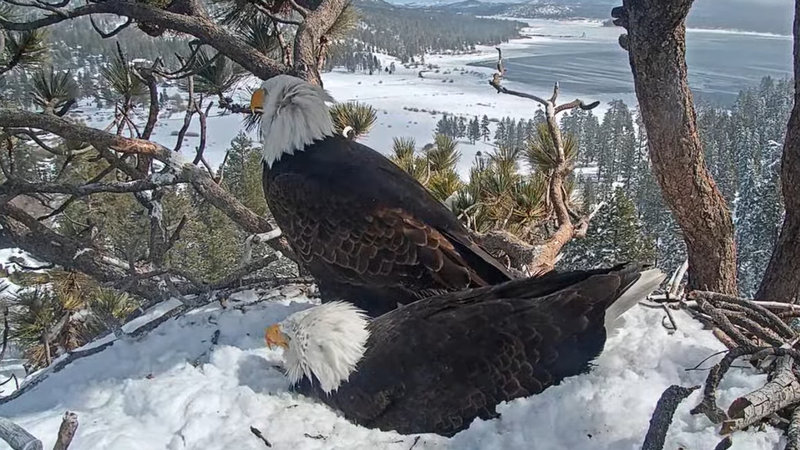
pixel 368 232
pixel 437 364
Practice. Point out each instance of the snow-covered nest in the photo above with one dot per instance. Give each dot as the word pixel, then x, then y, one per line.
pixel 174 389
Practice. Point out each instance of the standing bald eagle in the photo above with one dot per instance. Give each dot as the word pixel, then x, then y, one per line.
pixel 434 365
pixel 366 230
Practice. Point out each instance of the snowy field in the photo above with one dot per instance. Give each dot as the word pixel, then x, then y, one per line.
pixel 174 389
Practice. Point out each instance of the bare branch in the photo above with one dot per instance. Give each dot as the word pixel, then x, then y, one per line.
pixel 300 10
pixel 287 55
pixel 200 180
pixel 82 190
pixel 187 119
pixel 200 27
pixel 662 416
pixel 112 33
pixel 264 9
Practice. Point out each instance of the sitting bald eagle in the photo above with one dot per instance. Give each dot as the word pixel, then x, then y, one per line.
pixel 434 365
pixel 367 231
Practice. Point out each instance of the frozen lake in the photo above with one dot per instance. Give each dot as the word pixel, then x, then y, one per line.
pixel 586 59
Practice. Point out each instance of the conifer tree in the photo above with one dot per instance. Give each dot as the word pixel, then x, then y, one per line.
pixel 616 236
pixel 485 128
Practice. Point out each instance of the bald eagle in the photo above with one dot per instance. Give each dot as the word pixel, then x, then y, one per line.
pixel 367 231
pixel 434 365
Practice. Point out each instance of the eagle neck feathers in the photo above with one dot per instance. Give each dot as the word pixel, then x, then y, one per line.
pixel 326 343
pixel 294 116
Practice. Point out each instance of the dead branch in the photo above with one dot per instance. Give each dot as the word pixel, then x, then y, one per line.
pixel 112 33
pixel 16 436
pixel 187 118
pixel 14 186
pixel 662 416
pixel 200 180
pixel 198 26
pixel 724 444
pixel 765 316
pixel 260 436
pixel 708 405
pixel 781 391
pixel 724 323
pixel 202 115
pixel 547 254
pixel 69 424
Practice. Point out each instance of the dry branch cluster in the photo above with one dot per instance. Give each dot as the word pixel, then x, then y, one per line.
pixel 758 331
pixel 539 259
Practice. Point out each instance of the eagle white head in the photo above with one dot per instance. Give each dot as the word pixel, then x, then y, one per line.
pixel 325 342
pixel 294 115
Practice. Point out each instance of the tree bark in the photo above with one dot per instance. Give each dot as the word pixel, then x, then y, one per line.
pixel 69 424
pixel 781 391
pixel 782 279
pixel 656 43
pixel 16 436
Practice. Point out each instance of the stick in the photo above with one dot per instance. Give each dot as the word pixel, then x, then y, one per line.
pixel 781 391
pixel 260 435
pixel 765 314
pixel 69 424
pixel 708 405
pixel 662 416
pixel 724 444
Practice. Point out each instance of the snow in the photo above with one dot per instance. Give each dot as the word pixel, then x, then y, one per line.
pixel 173 389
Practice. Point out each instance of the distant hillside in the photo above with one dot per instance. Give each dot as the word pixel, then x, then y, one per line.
pixel 766 16
pixel 408 32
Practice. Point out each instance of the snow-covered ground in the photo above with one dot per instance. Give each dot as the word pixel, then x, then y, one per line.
pixel 174 389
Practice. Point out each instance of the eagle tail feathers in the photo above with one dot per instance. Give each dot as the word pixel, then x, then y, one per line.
pixel 648 281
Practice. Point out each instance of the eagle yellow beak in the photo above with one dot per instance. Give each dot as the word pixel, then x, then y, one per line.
pixel 275 337
pixel 257 100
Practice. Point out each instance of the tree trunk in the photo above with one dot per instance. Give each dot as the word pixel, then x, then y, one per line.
pixel 782 279
pixel 656 44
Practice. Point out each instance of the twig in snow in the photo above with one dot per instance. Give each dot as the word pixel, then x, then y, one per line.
pixel 260 436
pixel 708 405
pixel 12 377
pixel 724 444
pixel 697 367
pixel 416 439
pixel 662 416
pixel 315 436
pixel 69 424
pixel 674 326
